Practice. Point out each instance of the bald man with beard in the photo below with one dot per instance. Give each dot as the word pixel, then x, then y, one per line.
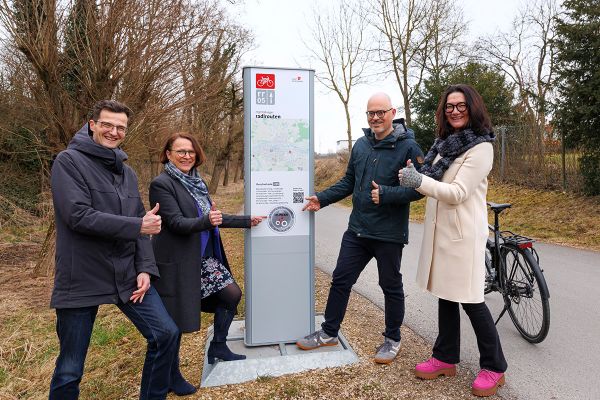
pixel 378 224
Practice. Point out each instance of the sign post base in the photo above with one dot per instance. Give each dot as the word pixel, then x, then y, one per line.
pixel 273 360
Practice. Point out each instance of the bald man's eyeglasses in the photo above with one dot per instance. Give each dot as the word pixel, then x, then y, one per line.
pixel 379 113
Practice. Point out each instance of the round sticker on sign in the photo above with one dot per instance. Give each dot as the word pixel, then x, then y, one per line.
pixel 281 219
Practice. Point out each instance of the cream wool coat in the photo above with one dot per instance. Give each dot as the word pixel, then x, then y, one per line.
pixel 452 259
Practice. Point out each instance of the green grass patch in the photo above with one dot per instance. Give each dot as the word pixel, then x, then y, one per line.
pixel 292 388
pixel 264 378
pixel 108 333
pixel 3 376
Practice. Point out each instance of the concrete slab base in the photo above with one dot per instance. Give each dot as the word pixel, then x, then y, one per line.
pixel 272 360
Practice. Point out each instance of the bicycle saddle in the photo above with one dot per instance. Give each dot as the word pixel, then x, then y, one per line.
pixel 498 207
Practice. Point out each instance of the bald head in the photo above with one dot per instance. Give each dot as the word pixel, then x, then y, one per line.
pixel 380 98
pixel 380 105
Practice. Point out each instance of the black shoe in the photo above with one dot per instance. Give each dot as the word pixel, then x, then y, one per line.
pixel 220 351
pixel 181 387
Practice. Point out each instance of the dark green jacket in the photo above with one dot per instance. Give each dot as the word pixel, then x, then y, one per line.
pixel 379 162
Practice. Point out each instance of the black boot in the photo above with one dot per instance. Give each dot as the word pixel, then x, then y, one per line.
pixel 177 383
pixel 218 346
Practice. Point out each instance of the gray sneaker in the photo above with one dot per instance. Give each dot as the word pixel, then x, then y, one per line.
pixel 387 351
pixel 316 339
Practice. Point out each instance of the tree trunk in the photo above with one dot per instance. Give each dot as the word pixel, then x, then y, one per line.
pixel 235 163
pixel 227 168
pixel 213 186
pixel 45 259
pixel 239 170
pixel 348 128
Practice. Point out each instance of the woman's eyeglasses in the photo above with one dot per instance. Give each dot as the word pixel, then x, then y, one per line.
pixel 461 107
pixel 183 153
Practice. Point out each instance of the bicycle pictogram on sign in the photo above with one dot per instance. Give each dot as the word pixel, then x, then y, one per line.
pixel 265 81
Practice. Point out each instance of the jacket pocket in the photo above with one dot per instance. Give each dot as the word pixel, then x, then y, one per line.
pixel 454 224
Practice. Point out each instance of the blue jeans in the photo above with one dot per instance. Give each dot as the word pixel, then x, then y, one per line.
pixel 74 329
pixel 355 254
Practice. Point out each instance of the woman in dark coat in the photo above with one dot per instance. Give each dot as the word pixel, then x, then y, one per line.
pixel 195 275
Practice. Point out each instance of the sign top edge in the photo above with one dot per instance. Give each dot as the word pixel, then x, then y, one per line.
pixel 286 68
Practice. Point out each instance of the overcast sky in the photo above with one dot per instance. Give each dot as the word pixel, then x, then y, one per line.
pixel 280 25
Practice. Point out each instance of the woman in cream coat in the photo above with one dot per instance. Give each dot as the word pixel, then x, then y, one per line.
pixel 451 263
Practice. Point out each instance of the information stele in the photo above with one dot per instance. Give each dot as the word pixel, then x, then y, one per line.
pixel 278 173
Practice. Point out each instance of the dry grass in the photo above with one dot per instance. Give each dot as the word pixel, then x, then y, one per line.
pixel 555 217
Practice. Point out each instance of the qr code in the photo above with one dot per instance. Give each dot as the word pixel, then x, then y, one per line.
pixel 298 197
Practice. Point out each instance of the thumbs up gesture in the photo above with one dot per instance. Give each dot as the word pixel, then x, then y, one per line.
pixel 409 177
pixel 375 192
pixel 215 216
pixel 151 222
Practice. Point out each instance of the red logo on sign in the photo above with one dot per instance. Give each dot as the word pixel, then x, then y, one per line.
pixel 265 81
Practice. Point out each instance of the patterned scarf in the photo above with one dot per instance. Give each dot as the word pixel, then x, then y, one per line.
pixel 450 148
pixel 193 183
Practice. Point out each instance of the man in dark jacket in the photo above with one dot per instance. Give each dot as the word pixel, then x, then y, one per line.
pixel 103 253
pixel 378 225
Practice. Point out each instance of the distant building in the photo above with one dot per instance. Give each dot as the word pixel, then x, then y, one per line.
pixel 342 145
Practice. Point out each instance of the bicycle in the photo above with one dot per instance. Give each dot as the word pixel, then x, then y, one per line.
pixel 512 269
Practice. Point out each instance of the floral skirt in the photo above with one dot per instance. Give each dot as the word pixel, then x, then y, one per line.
pixel 215 276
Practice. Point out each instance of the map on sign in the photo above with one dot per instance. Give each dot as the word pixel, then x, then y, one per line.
pixel 280 145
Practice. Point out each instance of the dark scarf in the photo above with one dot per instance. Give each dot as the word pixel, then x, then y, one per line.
pixel 450 148
pixel 193 183
pixel 195 186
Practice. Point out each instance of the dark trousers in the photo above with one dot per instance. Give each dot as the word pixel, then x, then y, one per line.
pixel 74 330
pixel 355 253
pixel 447 344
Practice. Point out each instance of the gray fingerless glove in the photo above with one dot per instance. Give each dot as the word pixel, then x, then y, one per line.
pixel 410 177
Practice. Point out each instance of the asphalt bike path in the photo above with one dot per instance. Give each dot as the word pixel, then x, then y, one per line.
pixel 565 365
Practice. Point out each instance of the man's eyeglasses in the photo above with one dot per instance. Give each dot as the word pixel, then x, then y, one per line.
pixel 109 127
pixel 379 113
pixel 461 107
pixel 183 153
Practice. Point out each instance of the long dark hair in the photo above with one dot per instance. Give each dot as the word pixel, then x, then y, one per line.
pixel 479 119
pixel 200 156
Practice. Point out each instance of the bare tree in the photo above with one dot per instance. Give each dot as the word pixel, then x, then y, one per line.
pixel 403 39
pixel 526 55
pixel 90 51
pixel 445 29
pixel 234 135
pixel 71 54
pixel 340 35
pixel 207 73
pixel 417 38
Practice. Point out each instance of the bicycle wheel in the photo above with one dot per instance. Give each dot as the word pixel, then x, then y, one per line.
pixel 526 289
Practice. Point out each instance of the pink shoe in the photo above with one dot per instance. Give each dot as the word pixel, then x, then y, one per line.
pixel 433 368
pixel 487 383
